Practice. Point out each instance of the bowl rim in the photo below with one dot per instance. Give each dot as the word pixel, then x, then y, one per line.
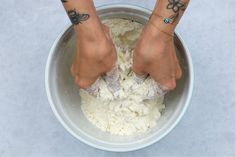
pixel 59 118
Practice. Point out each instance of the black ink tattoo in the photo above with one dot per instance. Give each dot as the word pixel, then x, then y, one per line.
pixel 76 17
pixel 63 1
pixel 176 6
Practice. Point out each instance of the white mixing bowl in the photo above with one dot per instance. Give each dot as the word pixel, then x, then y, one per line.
pixel 64 98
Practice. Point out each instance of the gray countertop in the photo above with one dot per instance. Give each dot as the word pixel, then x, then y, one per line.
pixel 28 126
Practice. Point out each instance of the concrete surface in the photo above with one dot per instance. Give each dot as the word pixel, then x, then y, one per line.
pixel 28 126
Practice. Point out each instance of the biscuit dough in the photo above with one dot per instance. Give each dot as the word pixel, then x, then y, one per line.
pixel 130 112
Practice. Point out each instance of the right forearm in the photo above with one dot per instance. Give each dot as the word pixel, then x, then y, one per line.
pixel 167 13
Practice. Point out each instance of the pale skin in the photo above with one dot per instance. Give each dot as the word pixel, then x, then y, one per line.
pixel 154 53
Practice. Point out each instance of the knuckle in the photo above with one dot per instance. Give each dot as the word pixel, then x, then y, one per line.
pixel 179 75
pixel 168 85
pixel 82 83
pixel 138 69
pixel 171 85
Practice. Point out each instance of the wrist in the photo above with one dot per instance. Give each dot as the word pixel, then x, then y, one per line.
pixel 90 29
pixel 159 22
pixel 83 17
pixel 158 34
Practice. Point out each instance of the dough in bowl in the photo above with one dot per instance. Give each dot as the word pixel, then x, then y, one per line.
pixel 130 112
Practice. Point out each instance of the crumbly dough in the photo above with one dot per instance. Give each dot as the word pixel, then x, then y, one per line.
pixel 129 113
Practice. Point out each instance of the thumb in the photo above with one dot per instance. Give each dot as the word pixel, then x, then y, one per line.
pixel 93 87
pixel 85 82
pixel 139 74
pixel 138 69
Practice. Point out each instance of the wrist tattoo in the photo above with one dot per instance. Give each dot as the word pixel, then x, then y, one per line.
pixel 76 17
pixel 176 6
pixel 63 1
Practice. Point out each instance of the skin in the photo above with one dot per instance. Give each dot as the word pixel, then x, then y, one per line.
pixel 154 54
pixel 93 57
pixel 95 53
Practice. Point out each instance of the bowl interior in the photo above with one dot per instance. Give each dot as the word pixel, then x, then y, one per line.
pixel 66 100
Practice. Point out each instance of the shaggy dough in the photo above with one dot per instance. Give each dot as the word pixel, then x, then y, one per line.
pixel 130 113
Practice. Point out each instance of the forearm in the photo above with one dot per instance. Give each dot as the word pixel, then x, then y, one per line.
pixel 83 16
pixel 167 14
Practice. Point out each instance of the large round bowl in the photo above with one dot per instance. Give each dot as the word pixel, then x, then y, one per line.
pixel 64 98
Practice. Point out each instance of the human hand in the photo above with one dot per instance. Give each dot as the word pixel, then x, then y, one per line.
pixel 95 55
pixel 155 55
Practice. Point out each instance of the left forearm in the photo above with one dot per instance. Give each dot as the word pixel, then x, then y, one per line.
pixel 83 16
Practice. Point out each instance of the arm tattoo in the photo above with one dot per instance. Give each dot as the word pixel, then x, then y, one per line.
pixel 76 17
pixel 176 6
pixel 63 1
